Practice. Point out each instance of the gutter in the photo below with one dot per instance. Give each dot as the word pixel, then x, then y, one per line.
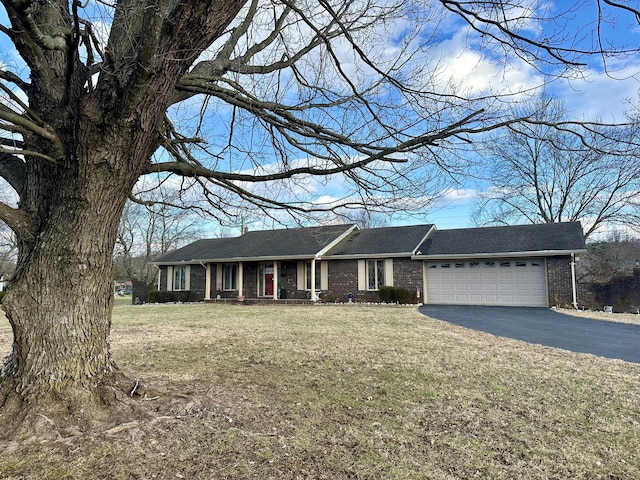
pixel 535 253
pixel 196 261
pixel 363 256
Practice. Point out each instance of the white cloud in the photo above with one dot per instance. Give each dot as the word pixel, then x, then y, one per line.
pixel 457 197
pixel 602 95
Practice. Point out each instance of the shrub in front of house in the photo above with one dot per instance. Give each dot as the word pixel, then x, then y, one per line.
pixel 386 294
pixel 328 297
pixel 403 295
pixel 395 295
pixel 160 296
pixel 165 297
pixel 183 296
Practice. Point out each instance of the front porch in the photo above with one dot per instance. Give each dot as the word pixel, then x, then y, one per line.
pixel 262 301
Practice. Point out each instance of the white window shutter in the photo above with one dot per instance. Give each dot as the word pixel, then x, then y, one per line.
pixel 388 272
pixel 169 278
pixel 324 276
pixel 300 278
pixel 219 271
pixel 362 275
pixel 187 279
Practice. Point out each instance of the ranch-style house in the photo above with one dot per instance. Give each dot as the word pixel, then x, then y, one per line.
pixel 526 265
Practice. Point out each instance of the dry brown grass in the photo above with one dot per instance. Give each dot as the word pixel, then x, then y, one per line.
pixel 600 315
pixel 328 392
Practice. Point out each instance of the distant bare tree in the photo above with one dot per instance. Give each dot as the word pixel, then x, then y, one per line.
pixel 366 219
pixel 540 173
pixel 616 255
pixel 147 230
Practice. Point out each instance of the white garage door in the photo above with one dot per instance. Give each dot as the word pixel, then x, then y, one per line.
pixel 487 282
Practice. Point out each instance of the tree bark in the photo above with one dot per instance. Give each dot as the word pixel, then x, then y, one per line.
pixel 60 300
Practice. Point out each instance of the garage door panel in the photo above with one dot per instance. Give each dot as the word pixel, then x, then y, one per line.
pixel 501 282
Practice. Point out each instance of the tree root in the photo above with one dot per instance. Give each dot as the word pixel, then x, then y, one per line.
pixel 109 404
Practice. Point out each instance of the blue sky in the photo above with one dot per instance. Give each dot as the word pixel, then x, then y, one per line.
pixel 598 94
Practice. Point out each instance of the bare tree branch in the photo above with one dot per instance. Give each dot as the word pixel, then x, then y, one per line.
pixel 18 123
pixel 17 220
pixel 14 171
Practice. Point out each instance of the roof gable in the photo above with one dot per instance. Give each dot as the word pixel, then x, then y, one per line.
pixel 382 241
pixel 558 237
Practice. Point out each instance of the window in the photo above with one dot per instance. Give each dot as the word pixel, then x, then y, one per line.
pixel 180 278
pixel 230 274
pixel 375 274
pixel 307 276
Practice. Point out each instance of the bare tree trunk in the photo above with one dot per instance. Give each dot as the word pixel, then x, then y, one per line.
pixel 59 303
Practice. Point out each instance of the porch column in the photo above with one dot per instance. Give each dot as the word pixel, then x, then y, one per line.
pixel 207 282
pixel 240 278
pixel 275 280
pixel 313 280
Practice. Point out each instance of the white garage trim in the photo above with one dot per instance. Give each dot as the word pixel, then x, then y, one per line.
pixel 500 281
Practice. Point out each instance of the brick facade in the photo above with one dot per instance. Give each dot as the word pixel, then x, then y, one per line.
pixel 343 279
pixel 408 273
pixel 559 287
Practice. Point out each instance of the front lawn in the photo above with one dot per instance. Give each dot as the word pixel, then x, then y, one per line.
pixel 347 392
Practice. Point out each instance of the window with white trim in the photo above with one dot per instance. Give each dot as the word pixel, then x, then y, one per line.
pixel 230 276
pixel 375 274
pixel 180 277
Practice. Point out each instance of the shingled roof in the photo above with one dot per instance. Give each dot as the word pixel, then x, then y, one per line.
pixel 282 244
pixel 396 241
pixel 417 241
pixel 540 238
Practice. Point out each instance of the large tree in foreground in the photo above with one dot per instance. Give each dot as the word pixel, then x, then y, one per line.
pixel 228 95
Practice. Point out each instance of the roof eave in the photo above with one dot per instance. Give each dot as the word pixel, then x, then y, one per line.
pixel 362 256
pixel 276 258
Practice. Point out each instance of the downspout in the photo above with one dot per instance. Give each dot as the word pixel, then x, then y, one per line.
pixel 573 280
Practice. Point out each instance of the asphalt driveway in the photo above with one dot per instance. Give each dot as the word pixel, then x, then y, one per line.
pixel 546 327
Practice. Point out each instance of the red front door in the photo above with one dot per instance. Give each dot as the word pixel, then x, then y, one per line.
pixel 268 284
